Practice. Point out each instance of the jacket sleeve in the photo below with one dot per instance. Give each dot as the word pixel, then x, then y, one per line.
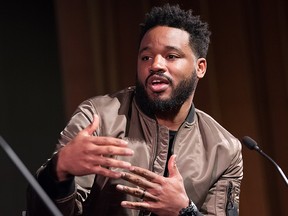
pixel 68 195
pixel 223 197
pixel 63 194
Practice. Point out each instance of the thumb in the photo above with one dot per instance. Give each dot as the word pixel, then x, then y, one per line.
pixel 89 130
pixel 172 167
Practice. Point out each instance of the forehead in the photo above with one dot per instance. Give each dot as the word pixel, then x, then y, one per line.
pixel 164 36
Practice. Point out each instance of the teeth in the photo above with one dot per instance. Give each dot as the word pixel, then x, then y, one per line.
pixel 156 81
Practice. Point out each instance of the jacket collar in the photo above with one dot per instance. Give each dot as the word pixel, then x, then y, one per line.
pixel 191 114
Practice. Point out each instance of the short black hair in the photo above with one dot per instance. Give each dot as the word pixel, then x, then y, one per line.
pixel 174 16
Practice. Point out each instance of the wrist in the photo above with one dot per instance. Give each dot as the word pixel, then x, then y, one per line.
pixel 59 174
pixel 190 210
pixel 47 178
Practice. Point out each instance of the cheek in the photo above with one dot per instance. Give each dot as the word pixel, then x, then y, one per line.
pixel 180 73
pixel 142 72
pixel 186 71
pixel 183 67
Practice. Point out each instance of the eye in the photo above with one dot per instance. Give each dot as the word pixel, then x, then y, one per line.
pixel 145 58
pixel 172 56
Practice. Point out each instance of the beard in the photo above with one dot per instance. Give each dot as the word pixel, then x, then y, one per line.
pixel 179 95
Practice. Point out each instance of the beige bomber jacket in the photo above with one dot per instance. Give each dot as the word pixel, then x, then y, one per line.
pixel 208 157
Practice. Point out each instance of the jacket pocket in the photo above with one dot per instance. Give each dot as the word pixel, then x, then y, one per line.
pixel 232 205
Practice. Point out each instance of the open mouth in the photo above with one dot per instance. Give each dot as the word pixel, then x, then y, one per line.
pixel 157 83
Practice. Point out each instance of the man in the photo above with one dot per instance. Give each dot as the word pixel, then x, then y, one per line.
pixel 147 149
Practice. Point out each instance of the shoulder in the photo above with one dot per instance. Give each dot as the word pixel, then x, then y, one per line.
pixel 221 145
pixel 111 108
pixel 112 101
pixel 216 133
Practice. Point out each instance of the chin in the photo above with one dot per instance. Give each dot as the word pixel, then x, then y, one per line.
pixel 159 96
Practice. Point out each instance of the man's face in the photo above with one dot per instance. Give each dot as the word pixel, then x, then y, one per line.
pixel 166 75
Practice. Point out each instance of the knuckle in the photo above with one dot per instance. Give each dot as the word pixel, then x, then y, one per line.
pixel 110 150
pixel 86 151
pixel 137 193
pixel 157 190
pixel 90 167
pixel 138 181
pixel 126 176
pixel 106 161
pixel 126 189
pixel 105 140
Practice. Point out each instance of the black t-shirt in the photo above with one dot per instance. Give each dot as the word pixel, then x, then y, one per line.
pixel 171 139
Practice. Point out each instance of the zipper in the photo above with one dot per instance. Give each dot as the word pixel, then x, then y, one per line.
pixel 153 158
pixel 231 208
pixel 173 144
pixel 154 149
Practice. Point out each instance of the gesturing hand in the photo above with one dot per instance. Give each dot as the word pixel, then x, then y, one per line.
pixel 87 154
pixel 161 195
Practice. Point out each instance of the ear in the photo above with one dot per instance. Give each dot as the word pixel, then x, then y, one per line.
pixel 201 67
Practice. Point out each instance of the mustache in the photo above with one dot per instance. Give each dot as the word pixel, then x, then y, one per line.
pixel 159 74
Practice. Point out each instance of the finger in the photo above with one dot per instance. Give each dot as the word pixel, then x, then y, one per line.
pixel 109 162
pixel 89 130
pixel 137 192
pixel 172 167
pixel 137 180
pixel 136 205
pixel 105 172
pixel 112 150
pixel 108 141
pixel 147 174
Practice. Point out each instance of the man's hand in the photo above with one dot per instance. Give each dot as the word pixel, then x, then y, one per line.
pixel 161 195
pixel 87 154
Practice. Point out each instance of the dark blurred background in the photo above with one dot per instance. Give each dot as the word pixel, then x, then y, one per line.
pixel 55 54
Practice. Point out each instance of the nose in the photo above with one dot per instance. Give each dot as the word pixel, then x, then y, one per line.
pixel 158 64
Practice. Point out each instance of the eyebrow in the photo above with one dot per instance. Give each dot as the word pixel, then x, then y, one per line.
pixel 168 48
